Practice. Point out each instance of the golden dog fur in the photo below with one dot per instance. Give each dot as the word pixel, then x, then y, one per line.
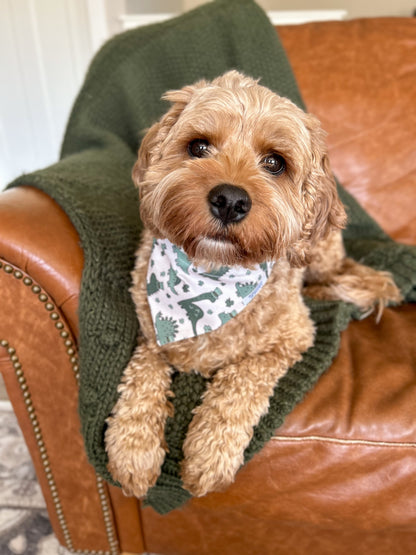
pixel 295 220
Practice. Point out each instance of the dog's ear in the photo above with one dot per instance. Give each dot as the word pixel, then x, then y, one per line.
pixel 151 142
pixel 184 95
pixel 147 148
pixel 154 137
pixel 324 210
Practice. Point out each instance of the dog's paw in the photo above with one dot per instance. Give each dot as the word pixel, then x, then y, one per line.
pixel 382 291
pixel 211 461
pixel 201 476
pixel 361 285
pixel 135 456
pixel 134 479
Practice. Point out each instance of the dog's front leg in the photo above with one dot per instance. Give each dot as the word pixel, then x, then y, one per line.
pixel 222 425
pixel 135 435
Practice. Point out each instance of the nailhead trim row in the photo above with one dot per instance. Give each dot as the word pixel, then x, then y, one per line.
pixel 71 351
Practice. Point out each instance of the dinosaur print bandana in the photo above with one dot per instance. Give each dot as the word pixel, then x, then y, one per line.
pixel 186 300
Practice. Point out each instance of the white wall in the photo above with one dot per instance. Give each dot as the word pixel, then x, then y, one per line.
pixel 45 47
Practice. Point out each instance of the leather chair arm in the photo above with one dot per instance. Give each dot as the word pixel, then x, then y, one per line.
pixel 41 264
pixel 37 236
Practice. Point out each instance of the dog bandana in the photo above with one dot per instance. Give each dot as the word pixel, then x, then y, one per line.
pixel 186 300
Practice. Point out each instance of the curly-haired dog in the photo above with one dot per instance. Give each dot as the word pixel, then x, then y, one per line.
pixel 240 209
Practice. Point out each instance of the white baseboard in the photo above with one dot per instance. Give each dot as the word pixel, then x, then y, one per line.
pixel 130 21
pixel 6 405
pixel 296 17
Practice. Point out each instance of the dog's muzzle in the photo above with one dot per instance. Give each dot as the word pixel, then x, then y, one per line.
pixel 229 203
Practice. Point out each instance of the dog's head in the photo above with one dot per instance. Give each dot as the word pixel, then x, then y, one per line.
pixel 235 174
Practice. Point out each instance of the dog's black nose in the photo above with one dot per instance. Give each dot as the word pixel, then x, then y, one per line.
pixel 229 203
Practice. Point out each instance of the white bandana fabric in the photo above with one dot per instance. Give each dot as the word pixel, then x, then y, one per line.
pixel 186 300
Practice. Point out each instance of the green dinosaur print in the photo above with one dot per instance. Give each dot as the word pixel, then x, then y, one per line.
pixel 216 274
pixel 181 259
pixel 226 316
pixel 244 289
pixel 154 285
pixel 265 268
pixel 173 280
pixel 194 312
pixel 166 329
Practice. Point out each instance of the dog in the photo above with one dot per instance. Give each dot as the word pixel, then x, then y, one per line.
pixel 236 192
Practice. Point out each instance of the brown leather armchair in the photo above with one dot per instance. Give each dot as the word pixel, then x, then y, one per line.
pixel 340 475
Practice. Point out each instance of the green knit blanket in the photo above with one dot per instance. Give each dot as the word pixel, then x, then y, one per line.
pixel 120 97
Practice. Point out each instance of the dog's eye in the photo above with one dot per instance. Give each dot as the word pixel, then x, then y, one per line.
pixel 198 148
pixel 274 163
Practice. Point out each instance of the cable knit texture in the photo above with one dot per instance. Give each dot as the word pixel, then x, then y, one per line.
pixel 120 97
